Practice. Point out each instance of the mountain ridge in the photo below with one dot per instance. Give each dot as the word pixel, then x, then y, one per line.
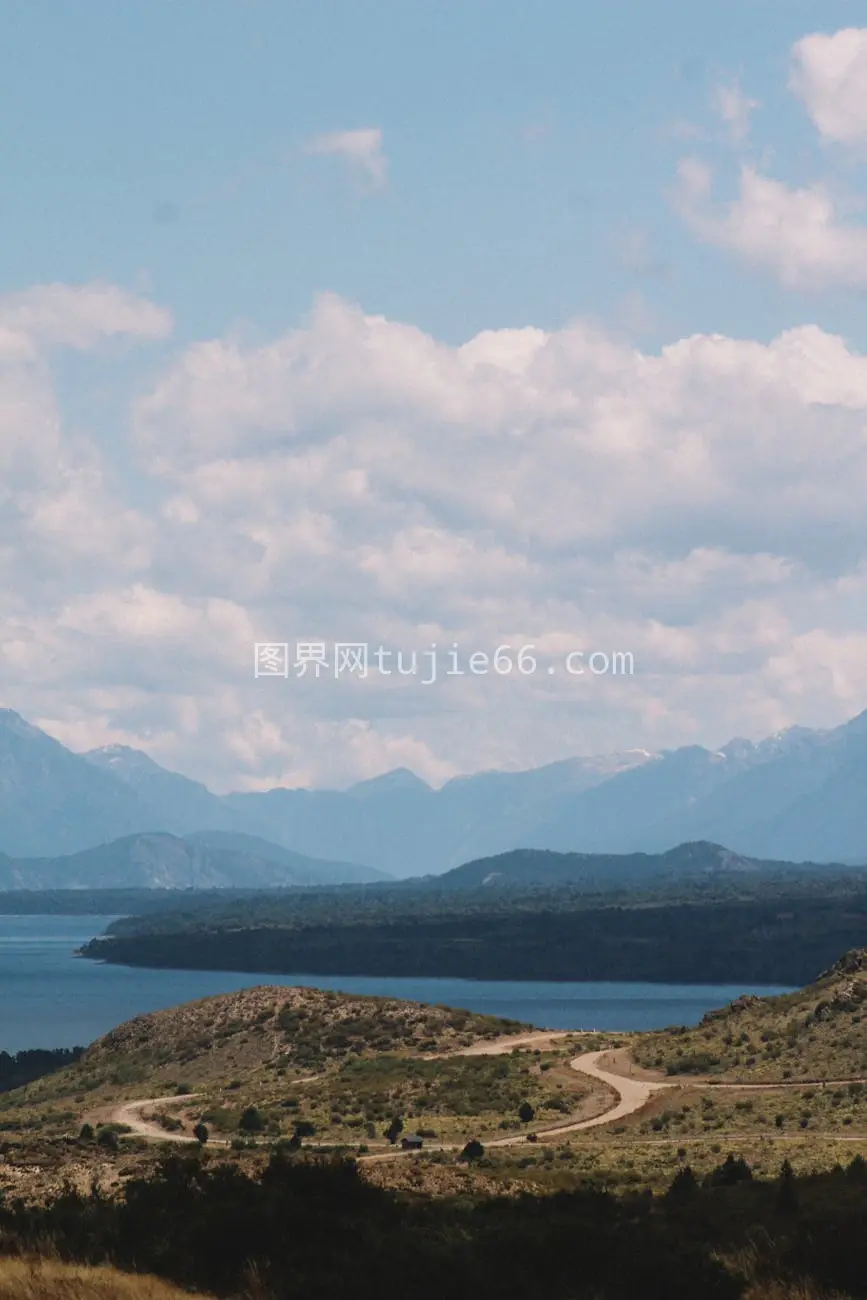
pixel 159 860
pixel 796 795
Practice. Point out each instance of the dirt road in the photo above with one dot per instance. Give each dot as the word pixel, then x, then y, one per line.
pixel 631 1095
pixel 130 1113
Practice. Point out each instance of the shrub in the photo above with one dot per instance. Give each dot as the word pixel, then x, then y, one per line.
pixel 251 1120
pixel 472 1151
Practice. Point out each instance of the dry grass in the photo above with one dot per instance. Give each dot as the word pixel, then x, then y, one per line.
pixel 819 1032
pixel 40 1279
pixel 261 1035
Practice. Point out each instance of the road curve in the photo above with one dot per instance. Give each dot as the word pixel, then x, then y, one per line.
pixel 130 1113
pixel 632 1095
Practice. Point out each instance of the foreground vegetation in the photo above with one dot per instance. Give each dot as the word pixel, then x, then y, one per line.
pixel 312 1228
pixel 38 1278
pixel 740 1177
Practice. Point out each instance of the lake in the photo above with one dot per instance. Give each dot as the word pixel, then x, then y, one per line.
pixel 51 998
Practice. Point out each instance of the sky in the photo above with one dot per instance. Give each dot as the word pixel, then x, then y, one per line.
pixel 452 323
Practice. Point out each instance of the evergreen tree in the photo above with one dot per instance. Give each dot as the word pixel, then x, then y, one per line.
pixel 787 1192
pixel 684 1185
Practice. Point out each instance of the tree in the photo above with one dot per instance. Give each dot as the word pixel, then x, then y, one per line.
pixel 472 1151
pixel 525 1112
pixel 734 1169
pixel 787 1192
pixel 684 1185
pixel 394 1130
pixel 200 1133
pixel 779 1120
pixel 304 1128
pixel 107 1138
pixel 857 1169
pixel 86 1133
pixel 251 1120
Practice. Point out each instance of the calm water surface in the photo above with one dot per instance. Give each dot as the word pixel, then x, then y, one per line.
pixel 51 998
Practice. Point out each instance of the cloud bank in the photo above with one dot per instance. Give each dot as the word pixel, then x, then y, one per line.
pixel 357 479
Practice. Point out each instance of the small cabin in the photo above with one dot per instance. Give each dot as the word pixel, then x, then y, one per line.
pixel 412 1142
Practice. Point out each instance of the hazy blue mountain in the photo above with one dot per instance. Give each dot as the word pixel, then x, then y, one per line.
pixel 53 801
pixel 403 826
pixel 592 871
pixel 304 870
pixel 210 860
pixel 798 795
pixel 183 805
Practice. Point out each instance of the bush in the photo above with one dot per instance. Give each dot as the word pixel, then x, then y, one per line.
pixel 251 1120
pixel 472 1151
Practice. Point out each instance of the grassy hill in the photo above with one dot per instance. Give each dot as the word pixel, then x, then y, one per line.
pixel 818 1032
pixel 279 1028
pixel 269 1062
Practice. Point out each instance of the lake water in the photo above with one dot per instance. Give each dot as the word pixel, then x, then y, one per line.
pixel 51 998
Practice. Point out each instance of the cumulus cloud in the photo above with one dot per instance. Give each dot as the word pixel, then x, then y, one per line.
pixel 361 150
pixel 356 479
pixel 798 235
pixel 829 74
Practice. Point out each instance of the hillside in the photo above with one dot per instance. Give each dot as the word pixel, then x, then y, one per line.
pixel 271 1061
pixel 157 860
pixel 818 1032
pixel 609 871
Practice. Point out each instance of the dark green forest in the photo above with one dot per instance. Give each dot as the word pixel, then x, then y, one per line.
pixel 313 1228
pixel 20 1068
pixel 781 938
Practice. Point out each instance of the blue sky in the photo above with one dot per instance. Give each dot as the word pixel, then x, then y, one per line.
pixel 470 322
pixel 528 145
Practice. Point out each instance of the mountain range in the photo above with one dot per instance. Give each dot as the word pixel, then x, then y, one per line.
pixel 798 796
pixel 203 860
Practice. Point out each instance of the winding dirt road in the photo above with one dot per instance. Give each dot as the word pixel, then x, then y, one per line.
pixel 632 1094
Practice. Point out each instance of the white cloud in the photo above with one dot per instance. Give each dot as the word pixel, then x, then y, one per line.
pixel 74 316
pixel 797 235
pixel 734 107
pixel 356 479
pixel 829 74
pixel 360 149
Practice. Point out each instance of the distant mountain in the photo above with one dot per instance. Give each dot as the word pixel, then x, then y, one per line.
pixel 798 795
pixel 209 860
pixel 303 870
pixel 54 801
pixel 409 829
pixel 591 871
pixel 183 805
